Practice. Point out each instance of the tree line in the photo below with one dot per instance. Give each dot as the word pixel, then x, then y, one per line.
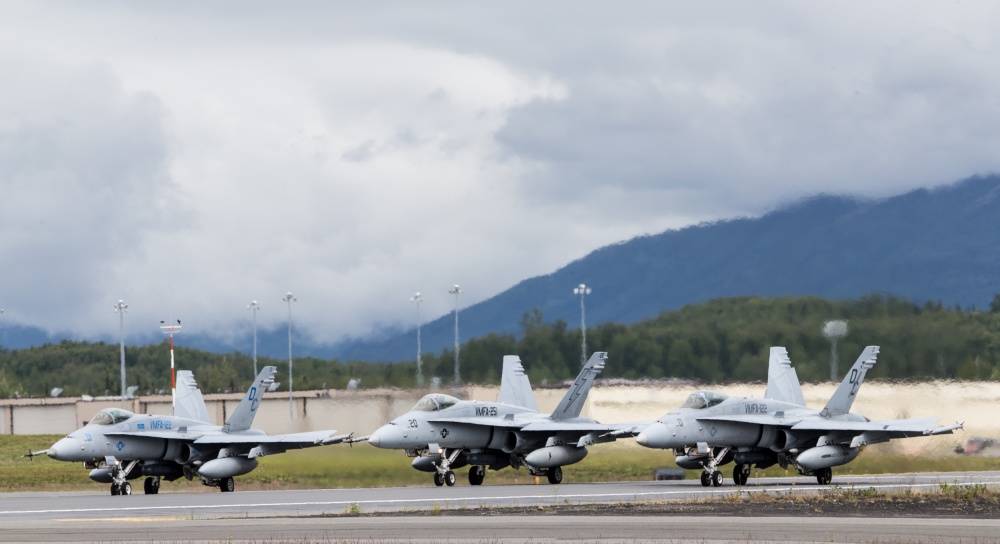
pixel 717 341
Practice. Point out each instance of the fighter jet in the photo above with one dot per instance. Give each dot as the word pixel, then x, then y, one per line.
pixel 118 445
pixel 710 429
pixel 443 433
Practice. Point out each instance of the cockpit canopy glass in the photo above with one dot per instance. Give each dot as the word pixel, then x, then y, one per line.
pixel 434 402
pixel 703 399
pixel 110 416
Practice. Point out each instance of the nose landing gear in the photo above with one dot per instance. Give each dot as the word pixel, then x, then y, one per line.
pixel 444 474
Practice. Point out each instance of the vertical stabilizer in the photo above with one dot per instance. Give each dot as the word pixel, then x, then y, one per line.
pixel 842 399
pixel 515 388
pixel 572 403
pixel 782 380
pixel 242 417
pixel 189 403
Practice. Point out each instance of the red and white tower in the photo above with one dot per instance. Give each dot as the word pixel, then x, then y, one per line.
pixel 170 330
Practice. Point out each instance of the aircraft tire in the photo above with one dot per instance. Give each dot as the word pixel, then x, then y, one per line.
pixel 477 474
pixel 824 476
pixel 227 485
pixel 706 479
pixel 449 478
pixel 151 486
pixel 115 490
pixel 716 479
pixel 126 489
pixel 554 475
pixel 741 473
pixel 438 479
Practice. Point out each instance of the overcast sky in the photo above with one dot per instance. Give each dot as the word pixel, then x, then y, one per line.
pixel 191 156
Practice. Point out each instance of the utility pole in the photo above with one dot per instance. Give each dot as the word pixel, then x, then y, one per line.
pixel 582 291
pixel 456 290
pixel 834 331
pixel 121 308
pixel 417 298
pixel 254 306
pixel 289 298
pixel 170 331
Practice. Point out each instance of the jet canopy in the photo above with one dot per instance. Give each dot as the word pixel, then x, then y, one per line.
pixel 110 416
pixel 434 402
pixel 703 399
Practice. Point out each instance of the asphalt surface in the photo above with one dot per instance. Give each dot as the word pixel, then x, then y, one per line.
pixel 290 515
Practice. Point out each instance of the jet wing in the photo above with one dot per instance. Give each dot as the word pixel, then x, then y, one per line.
pixel 755 419
pixel 484 420
pixel 912 427
pixel 168 435
pixel 566 426
pixel 300 440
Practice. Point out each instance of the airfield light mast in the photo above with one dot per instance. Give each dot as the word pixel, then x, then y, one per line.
pixel 170 330
pixel 289 298
pixel 121 308
pixel 417 298
pixel 834 331
pixel 3 337
pixel 254 307
pixel 456 290
pixel 582 291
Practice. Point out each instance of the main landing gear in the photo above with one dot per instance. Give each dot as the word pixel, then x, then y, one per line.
pixel 741 473
pixel 477 474
pixel 824 476
pixel 151 485
pixel 554 475
pixel 227 485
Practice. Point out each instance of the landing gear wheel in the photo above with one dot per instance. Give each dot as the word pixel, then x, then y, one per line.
pixel 151 486
pixel 554 475
pixel 438 479
pixel 449 478
pixel 716 479
pixel 227 485
pixel 126 489
pixel 477 474
pixel 741 473
pixel 706 479
pixel 824 476
pixel 115 490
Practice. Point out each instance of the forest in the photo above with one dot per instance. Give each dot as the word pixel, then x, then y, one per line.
pixel 723 340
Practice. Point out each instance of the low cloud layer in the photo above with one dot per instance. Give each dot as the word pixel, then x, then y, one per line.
pixel 192 159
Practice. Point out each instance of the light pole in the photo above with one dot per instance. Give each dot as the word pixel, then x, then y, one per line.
pixel 417 298
pixel 834 331
pixel 254 306
pixel 289 298
pixel 3 335
pixel 170 331
pixel 121 308
pixel 456 290
pixel 582 291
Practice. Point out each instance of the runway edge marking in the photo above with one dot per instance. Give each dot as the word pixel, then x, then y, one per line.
pixel 487 498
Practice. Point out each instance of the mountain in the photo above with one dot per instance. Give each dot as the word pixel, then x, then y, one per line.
pixel 938 244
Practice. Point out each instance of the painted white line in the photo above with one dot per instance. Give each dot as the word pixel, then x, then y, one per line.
pixel 695 492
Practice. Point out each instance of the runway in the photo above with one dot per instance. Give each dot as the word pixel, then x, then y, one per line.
pixel 278 515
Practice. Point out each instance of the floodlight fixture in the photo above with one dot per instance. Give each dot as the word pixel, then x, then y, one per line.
pixel 834 331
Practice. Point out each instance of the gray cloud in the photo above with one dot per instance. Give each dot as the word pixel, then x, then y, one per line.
pixel 203 155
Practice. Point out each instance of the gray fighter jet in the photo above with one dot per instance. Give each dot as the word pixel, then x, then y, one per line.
pixel 443 433
pixel 118 445
pixel 711 429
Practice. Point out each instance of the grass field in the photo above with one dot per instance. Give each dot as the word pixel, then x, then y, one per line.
pixel 365 466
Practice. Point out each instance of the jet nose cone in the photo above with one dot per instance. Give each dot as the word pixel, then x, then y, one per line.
pixel 386 436
pixel 377 437
pixel 652 436
pixel 62 450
